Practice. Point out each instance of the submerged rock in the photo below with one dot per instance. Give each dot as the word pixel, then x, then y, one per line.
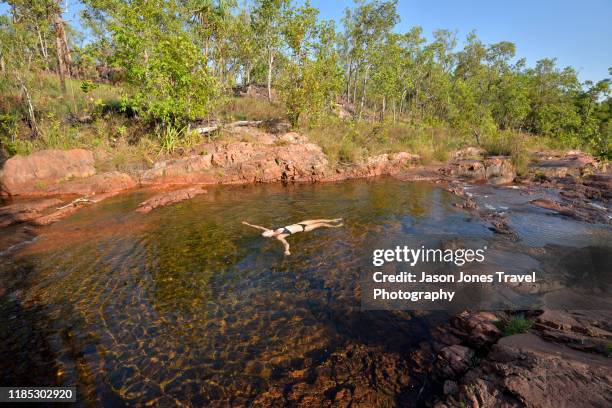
pixel 167 198
pixel 579 209
pixel 356 376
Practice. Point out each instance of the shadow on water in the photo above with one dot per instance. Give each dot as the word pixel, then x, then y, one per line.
pixel 187 305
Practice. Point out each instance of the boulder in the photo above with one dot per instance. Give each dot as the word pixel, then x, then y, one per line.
pixel 574 163
pixel 242 162
pixel 524 370
pixel 476 328
pixel 469 169
pixel 382 164
pixel 110 182
pixel 499 170
pixel 496 170
pixel 32 174
pixel 453 361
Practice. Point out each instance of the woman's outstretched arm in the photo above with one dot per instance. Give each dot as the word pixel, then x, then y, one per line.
pixel 282 239
pixel 256 226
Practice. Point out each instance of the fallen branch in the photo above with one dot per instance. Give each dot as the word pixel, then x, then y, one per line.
pixel 75 202
pixel 209 129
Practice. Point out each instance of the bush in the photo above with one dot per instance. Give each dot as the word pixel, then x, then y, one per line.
pixel 511 144
pixel 514 325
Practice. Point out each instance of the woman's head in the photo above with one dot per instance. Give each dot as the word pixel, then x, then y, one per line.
pixel 268 233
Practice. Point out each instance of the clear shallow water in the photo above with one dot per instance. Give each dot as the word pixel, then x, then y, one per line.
pixel 187 305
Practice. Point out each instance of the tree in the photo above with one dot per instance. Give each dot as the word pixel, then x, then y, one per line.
pixel 313 77
pixel 365 26
pixel 268 19
pixel 168 72
pixel 19 58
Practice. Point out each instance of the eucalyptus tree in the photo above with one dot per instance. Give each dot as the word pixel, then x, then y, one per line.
pixel 268 21
pixel 164 68
pixel 364 27
pixel 18 58
pixel 312 77
pixel 43 19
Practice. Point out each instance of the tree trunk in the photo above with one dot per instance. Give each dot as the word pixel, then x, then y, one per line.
pixel 30 106
pixel 43 48
pixel 348 81
pixel 270 61
pixel 401 108
pixel 248 74
pixel 384 108
pixel 363 92
pixel 355 86
pixel 61 49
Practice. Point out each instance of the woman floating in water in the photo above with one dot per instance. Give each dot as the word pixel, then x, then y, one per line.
pixel 284 232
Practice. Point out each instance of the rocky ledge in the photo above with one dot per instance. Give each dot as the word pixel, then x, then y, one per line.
pixel 265 157
pixel 563 360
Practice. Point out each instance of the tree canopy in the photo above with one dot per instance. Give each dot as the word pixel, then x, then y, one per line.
pixel 178 59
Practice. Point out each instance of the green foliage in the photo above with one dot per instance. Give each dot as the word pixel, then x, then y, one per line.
pixel 167 71
pixel 167 63
pixel 169 138
pixel 514 325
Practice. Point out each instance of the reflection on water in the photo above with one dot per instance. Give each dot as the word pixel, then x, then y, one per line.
pixel 187 305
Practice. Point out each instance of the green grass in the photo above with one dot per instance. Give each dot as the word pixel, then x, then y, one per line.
pixel 514 325
pixel 350 141
pixel 122 141
pixel 506 143
pixel 249 108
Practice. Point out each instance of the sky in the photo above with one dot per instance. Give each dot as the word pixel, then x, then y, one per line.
pixel 575 32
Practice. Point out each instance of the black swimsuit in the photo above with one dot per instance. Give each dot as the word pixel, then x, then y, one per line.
pixel 286 231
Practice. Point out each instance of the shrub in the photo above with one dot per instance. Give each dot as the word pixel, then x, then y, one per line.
pixel 514 325
pixel 511 144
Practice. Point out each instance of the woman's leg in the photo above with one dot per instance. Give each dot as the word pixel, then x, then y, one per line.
pixel 323 220
pixel 311 227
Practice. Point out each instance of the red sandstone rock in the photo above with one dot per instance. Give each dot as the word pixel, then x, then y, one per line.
pixel 57 215
pixel 67 210
pixel 242 162
pixel 27 175
pixel 110 182
pixel 25 211
pixel 477 328
pixel 167 198
pixel 496 170
pixel 574 163
pixel 499 170
pixel 454 360
pixel 524 370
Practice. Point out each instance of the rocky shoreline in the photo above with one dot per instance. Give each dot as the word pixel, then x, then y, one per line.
pixel 564 358
pixel 29 181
